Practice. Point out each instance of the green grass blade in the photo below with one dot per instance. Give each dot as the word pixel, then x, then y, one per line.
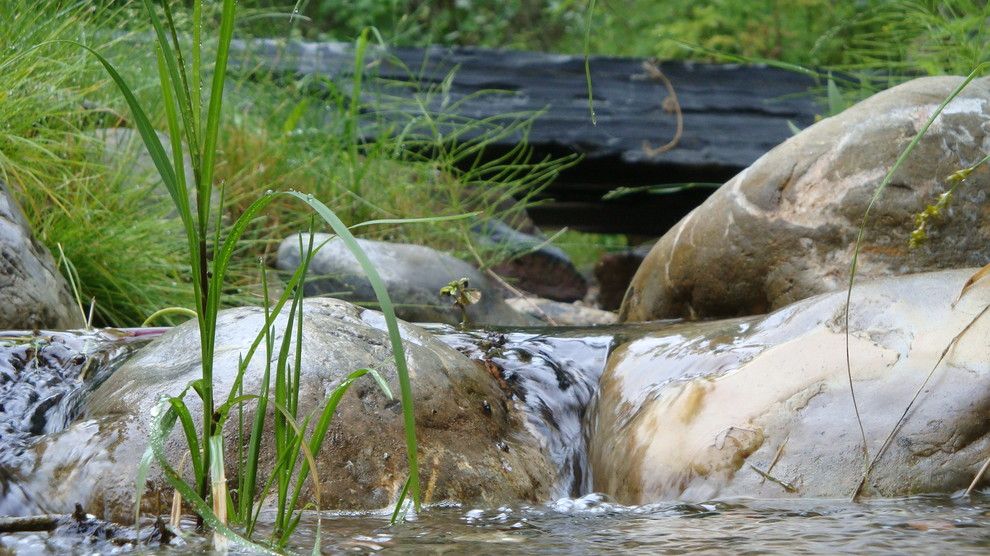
pixel 326 417
pixel 189 429
pixel 216 102
pixel 196 90
pixel 400 502
pixel 297 366
pixel 140 480
pixel 424 220
pixel 307 453
pixel 391 322
pixel 587 63
pixel 161 428
pixel 178 82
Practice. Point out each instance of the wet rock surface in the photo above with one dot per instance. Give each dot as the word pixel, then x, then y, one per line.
pixel 43 379
pixel 413 276
pixel 33 293
pixel 784 229
pixel 760 407
pixel 474 445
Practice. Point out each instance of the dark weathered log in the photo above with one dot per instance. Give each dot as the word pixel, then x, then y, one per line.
pixel 732 115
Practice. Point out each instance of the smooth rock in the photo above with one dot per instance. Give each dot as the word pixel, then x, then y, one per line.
pixel 557 313
pixel 784 229
pixel 413 276
pixel 33 294
pixel 699 411
pixel 534 266
pixel 474 447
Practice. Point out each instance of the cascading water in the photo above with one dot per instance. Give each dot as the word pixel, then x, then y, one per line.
pixel 43 378
pixel 553 376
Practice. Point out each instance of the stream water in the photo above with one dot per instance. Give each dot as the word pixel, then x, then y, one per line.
pixel 553 374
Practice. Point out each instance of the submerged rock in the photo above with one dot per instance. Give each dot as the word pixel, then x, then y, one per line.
pixel 413 276
pixel 761 407
pixel 474 447
pixel 784 229
pixel 33 294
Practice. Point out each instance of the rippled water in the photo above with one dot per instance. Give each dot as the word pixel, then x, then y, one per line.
pixel 589 525
pixel 552 375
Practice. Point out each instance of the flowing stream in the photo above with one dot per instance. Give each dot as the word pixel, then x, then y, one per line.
pixel 553 374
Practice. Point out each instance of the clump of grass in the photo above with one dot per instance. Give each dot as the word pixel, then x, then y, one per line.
pixel 41 92
pixel 210 249
pixel 95 215
pixel 127 251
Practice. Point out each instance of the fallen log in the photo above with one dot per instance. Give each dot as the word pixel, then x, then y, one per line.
pixel 729 116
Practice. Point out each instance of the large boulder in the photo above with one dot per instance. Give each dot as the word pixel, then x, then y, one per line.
pixel 784 229
pixel 474 445
pixel 33 294
pixel 413 276
pixel 761 407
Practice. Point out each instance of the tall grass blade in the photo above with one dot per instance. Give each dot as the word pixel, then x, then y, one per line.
pixel 587 62
pixel 395 337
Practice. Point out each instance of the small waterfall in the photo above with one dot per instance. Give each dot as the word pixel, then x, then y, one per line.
pixel 553 376
pixel 43 376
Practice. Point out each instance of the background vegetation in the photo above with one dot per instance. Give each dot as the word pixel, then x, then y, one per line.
pixel 86 203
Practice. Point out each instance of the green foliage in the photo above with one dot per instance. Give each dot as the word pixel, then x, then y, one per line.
pixel 585 249
pixel 41 89
pixel 278 138
pixel 55 165
pixel 509 23
pixel 378 157
pixel 897 37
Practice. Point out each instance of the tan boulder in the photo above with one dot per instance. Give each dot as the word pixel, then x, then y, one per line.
pixel 761 407
pixel 784 229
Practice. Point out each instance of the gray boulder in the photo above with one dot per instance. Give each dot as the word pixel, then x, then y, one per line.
pixel 33 294
pixel 413 276
pixel 533 265
pixel 474 446
pixel 784 229
pixel 761 407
